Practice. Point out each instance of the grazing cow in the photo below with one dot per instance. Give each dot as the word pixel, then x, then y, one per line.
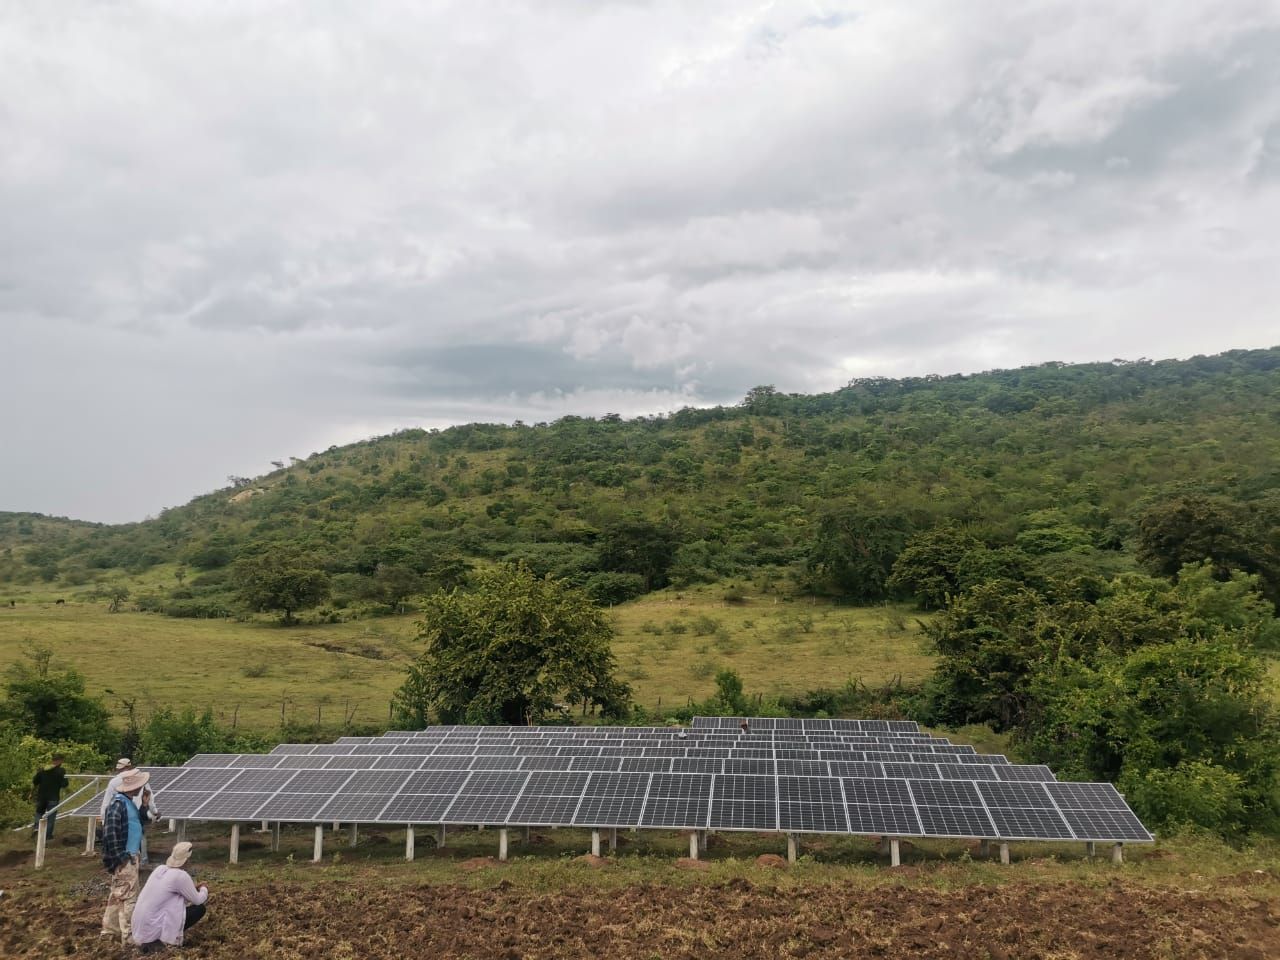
pixel 59 602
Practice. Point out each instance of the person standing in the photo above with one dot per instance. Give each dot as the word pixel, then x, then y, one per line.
pixel 121 848
pixel 49 784
pixel 170 904
pixel 123 765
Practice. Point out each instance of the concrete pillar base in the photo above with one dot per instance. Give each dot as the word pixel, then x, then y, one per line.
pixel 793 848
pixel 1117 853
pixel 895 854
pixel 234 855
pixel 502 844
pixel 1004 853
pixel 317 851
pixel 408 842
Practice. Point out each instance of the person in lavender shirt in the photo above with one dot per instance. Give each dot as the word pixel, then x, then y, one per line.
pixel 169 905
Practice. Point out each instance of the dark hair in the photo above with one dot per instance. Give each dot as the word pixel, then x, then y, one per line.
pixel 58 758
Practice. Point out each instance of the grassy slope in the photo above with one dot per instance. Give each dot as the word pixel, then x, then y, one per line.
pixel 782 646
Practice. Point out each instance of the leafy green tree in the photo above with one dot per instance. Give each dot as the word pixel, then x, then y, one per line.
pixel 642 547
pixel 514 649
pixel 611 588
pixel 22 755
pixel 118 593
pixel 929 567
pixel 853 552
pixel 280 578
pixel 729 697
pixel 52 704
pixel 395 583
pixel 1192 528
pixel 171 738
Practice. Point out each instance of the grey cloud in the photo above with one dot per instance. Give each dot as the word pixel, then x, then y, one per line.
pixel 253 231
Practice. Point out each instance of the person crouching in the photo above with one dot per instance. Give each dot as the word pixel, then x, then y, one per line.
pixel 121 847
pixel 169 905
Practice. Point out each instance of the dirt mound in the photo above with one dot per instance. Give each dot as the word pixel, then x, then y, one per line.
pixel 771 860
pixel 593 861
pixel 688 863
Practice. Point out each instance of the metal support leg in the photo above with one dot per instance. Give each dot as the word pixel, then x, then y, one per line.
pixel 1090 850
pixel 355 835
pixel 595 843
pixel 1004 854
pixel 408 842
pixel 502 844
pixel 235 843
pixel 693 845
pixel 275 837
pixel 441 835
pixel 317 852
pixel 91 837
pixel 1117 853
pixel 41 827
pixel 613 839
pixel 895 854
pixel 181 835
pixel 528 835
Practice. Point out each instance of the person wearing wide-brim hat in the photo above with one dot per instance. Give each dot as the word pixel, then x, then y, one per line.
pixel 169 905
pixel 123 766
pixel 121 848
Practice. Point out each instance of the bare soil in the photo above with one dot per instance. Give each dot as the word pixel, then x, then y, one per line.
pixel 1053 921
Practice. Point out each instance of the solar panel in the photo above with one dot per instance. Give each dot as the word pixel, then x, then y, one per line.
pixel 883 818
pixel 353 807
pixel 556 783
pixel 743 815
pixel 697 786
pixel 545 810
pixel 262 780
pixel 731 787
pixel 480 808
pixel 231 805
pixel 688 812
pixel 416 808
pixel 292 807
pixel 811 805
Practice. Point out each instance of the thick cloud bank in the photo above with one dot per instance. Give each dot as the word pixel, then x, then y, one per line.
pixel 233 232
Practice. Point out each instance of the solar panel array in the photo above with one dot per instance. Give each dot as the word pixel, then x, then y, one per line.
pixel 871 777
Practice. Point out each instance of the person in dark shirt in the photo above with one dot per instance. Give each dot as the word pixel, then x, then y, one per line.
pixel 49 785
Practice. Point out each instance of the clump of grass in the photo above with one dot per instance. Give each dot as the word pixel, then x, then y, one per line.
pixel 650 627
pixel 705 626
pixel 734 594
pixel 255 669
pixel 702 669
pixel 726 643
pixel 677 627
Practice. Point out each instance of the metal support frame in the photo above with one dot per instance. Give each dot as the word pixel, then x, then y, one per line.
pixel 441 835
pixel 235 843
pixel 317 852
pixel 1004 854
pixel 502 843
pixel 1117 853
pixel 793 848
pixel 1090 850
pixel 408 841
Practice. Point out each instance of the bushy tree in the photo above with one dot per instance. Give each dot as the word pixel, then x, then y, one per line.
pixel 514 649
pixel 171 738
pixel 280 577
pixel 930 566
pixel 52 704
pixel 1192 528
pixel 853 551
pixel 639 546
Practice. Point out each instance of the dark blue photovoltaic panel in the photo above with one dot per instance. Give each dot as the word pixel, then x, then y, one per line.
pixel 617 810
pixel 881 819
pixel 689 785
pixel 732 787
pixel 686 812
pixel 743 815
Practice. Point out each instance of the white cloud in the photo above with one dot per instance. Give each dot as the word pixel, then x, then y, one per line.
pixel 296 221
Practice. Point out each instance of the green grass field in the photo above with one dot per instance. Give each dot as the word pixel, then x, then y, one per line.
pixel 669 646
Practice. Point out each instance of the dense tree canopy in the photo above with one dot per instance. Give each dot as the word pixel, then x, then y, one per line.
pixel 514 649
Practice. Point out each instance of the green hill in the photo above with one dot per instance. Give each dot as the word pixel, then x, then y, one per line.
pixel 1058 459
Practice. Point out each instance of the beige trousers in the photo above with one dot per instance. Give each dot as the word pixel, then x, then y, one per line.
pixel 121 900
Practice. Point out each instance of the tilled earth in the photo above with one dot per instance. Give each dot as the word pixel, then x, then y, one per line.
pixel 739 919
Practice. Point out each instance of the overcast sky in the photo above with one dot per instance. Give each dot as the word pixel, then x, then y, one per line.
pixel 235 232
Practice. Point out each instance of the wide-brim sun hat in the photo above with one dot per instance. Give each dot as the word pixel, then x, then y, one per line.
pixel 179 855
pixel 123 764
pixel 131 780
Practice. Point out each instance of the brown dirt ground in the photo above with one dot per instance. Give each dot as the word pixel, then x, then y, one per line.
pixel 1051 921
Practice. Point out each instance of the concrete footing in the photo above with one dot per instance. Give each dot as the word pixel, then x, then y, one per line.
pixel 275 837
pixel 41 828
pixel 502 844
pixel 1090 850
pixel 408 842
pixel 1117 853
pixel 793 848
pixel 1004 853
pixel 895 853
pixel 693 845
pixel 354 837
pixel 595 843
pixel 234 849
pixel 91 836
pixel 317 851
pixel 442 834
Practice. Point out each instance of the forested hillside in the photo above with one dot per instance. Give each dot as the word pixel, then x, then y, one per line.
pixel 1060 461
